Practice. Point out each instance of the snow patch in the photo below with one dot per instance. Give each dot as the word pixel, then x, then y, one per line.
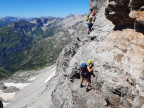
pixel 51 75
pixel 17 85
pixel 6 96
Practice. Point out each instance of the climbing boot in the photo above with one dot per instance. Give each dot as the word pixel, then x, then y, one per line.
pixel 81 85
pixel 87 89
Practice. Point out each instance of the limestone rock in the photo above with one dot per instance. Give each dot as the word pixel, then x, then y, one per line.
pixel 117 55
pixel 126 14
pixel 95 5
pixel 118 12
pixel 118 58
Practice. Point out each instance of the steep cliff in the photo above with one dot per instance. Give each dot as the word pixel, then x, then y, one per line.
pixel 95 5
pixel 116 47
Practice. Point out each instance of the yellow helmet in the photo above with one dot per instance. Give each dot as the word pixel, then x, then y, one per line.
pixel 90 62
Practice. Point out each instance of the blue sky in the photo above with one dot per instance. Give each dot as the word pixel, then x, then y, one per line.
pixel 38 8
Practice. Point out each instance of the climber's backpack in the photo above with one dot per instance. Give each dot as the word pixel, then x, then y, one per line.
pixel 83 70
pixel 87 18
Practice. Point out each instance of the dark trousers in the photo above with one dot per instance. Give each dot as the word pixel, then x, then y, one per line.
pixel 91 73
pixel 90 26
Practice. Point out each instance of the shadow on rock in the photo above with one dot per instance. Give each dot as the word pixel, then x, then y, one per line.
pixel 1 104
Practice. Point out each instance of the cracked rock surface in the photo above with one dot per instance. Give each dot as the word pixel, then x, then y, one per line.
pixel 117 55
pixel 118 58
pixel 126 14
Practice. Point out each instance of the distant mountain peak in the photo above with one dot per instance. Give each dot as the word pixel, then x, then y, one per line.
pixel 70 15
pixel 11 19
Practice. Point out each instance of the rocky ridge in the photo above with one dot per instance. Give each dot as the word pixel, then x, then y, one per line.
pixel 126 14
pixel 116 47
pixel 117 52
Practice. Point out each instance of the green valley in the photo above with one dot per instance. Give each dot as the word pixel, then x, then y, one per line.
pixel 33 45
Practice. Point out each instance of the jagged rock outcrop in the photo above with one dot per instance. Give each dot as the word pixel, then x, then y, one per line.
pixel 126 14
pixel 136 4
pixel 118 12
pixel 95 5
pixel 118 58
pixel 138 16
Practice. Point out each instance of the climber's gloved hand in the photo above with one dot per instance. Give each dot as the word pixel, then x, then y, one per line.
pixel 92 65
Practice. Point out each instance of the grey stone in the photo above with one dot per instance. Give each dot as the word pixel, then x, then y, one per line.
pixel 115 83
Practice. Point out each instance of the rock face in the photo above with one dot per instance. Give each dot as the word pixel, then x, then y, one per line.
pixel 118 12
pixel 126 14
pixel 136 4
pixel 95 5
pixel 117 55
pixel 138 16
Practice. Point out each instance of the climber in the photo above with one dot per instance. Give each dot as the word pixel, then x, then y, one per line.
pixel 90 19
pixel 90 64
pixel 85 74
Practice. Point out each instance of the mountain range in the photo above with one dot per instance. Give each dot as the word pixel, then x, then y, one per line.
pixel 115 45
pixel 8 20
pixel 34 43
